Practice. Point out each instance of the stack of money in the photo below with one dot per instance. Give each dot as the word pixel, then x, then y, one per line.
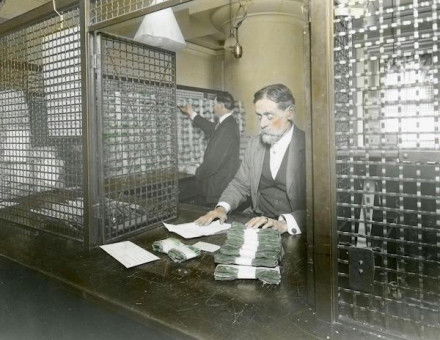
pixel 246 261
pixel 176 250
pixel 233 272
pixel 247 246
pixel 257 249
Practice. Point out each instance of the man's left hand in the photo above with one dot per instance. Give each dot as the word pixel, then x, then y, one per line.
pixel 266 222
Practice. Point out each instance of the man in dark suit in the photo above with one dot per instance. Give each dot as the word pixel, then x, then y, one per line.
pixel 272 173
pixel 221 157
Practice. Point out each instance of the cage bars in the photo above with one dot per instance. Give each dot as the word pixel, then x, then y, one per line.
pixel 139 165
pixel 55 174
pixel 387 162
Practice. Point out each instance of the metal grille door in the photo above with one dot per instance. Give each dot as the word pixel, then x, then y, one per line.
pixel 137 109
pixel 41 127
pixel 388 165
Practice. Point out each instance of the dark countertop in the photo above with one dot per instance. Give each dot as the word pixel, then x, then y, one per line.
pixel 183 298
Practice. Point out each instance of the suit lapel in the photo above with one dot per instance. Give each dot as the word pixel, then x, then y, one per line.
pixel 219 127
pixel 293 164
pixel 216 133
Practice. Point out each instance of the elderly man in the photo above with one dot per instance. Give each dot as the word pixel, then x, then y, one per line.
pixel 221 158
pixel 273 170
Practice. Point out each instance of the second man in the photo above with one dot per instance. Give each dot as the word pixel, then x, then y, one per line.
pixel 221 158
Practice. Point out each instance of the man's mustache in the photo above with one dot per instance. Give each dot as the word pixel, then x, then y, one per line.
pixel 268 133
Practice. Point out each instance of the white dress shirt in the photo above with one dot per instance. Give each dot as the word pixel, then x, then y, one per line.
pixel 222 118
pixel 277 152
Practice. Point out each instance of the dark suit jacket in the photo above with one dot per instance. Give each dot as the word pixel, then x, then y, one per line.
pixel 221 159
pixel 247 179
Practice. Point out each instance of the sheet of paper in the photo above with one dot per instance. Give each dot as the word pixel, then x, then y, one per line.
pixel 206 246
pixel 129 254
pixel 192 230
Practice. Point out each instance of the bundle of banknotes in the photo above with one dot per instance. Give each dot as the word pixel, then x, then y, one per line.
pixel 176 250
pixel 233 272
pixel 258 249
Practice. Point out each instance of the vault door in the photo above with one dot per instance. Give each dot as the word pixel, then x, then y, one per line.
pixel 387 165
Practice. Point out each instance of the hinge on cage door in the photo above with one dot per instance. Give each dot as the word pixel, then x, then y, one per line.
pixel 96 210
pixel 95 60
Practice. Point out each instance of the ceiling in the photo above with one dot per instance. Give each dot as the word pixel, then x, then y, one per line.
pixel 194 19
pixel 12 8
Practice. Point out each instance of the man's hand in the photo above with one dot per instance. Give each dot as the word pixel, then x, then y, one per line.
pixel 217 213
pixel 187 110
pixel 265 222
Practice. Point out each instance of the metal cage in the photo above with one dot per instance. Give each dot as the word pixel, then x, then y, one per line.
pixel 95 175
pixel 388 165
pixel 103 10
pixel 41 126
pixel 103 13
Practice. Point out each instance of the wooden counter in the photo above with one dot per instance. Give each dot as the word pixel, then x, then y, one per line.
pixel 182 299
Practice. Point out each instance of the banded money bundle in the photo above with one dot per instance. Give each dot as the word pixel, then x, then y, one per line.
pixel 252 247
pixel 246 261
pixel 176 250
pixel 266 239
pixel 233 272
pixel 249 253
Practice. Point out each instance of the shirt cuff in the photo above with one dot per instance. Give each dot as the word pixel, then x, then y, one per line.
pixel 292 226
pixel 225 205
pixel 192 115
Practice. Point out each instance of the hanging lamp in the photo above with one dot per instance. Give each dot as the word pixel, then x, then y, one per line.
pixel 160 29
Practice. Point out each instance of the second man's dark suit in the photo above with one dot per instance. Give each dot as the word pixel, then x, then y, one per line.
pixel 221 159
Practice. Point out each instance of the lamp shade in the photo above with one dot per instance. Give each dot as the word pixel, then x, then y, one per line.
pixel 161 29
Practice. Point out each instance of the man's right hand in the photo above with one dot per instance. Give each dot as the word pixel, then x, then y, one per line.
pixel 186 110
pixel 218 213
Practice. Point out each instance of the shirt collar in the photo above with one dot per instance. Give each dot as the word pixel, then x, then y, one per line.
pixel 222 118
pixel 284 141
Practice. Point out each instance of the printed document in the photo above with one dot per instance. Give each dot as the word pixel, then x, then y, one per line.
pixel 129 254
pixel 192 230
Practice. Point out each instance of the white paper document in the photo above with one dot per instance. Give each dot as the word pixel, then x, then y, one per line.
pixel 129 254
pixel 192 230
pixel 206 246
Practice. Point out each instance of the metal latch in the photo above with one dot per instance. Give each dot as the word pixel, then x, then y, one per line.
pixel 361 269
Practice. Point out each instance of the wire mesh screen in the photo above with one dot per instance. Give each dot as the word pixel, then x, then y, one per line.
pixel 138 136
pixel 103 10
pixel 40 127
pixel 191 140
pixel 387 165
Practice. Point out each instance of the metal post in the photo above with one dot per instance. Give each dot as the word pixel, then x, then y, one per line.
pixel 323 155
pixel 309 166
pixel 93 233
